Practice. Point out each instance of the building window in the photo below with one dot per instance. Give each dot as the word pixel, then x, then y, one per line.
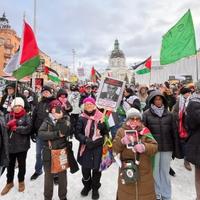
pixel 8 41
pixel 1 41
pixel 8 51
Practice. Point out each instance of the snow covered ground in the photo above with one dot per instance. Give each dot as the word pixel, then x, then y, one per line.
pixel 182 185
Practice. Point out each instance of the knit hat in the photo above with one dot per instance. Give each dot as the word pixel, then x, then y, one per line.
pixel 184 90
pixel 18 101
pixel 62 92
pixel 89 100
pixel 54 104
pixel 11 85
pixel 46 87
pixel 133 112
pixel 26 91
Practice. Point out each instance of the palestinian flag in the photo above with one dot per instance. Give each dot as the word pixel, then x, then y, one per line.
pixel 95 75
pixel 52 74
pixel 27 59
pixel 146 67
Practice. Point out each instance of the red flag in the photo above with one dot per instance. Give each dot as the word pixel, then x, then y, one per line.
pixel 93 75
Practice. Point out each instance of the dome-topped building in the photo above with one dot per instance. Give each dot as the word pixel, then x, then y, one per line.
pixel 117 57
pixel 4 23
pixel 117 53
pixel 9 42
pixel 117 63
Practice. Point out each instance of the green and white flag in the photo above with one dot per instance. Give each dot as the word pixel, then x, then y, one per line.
pixel 27 59
pixel 179 41
pixel 52 74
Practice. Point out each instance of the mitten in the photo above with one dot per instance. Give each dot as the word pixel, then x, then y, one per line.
pixel 11 123
pixel 89 143
pixel 126 140
pixel 140 148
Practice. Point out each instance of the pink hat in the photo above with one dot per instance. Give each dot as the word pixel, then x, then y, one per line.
pixel 89 100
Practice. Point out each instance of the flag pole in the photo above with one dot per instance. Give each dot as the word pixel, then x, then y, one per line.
pixel 150 79
pixel 34 30
pixel 197 68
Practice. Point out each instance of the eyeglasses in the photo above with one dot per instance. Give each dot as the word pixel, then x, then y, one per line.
pixel 135 119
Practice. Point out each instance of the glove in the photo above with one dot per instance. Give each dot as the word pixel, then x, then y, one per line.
pixel 11 123
pixel 100 126
pixel 126 140
pixel 140 148
pixel 89 143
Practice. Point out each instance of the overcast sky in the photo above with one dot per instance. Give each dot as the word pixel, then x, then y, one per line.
pixel 91 26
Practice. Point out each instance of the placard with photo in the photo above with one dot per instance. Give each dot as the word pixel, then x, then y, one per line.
pixel 110 93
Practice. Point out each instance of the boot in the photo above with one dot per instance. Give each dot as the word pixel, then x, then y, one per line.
pixel 7 188
pixel 87 187
pixel 85 191
pixel 21 186
pixel 95 194
pixel 187 165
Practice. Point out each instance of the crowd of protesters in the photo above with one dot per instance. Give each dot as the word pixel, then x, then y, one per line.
pixel 166 118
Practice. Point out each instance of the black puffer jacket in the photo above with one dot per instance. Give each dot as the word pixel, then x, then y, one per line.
pixel 40 112
pixel 192 152
pixel 19 141
pixel 50 132
pixel 4 155
pixel 162 128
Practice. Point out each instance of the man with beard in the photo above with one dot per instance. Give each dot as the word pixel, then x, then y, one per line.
pixel 40 112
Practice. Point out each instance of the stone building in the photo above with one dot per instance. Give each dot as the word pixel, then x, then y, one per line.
pixel 9 42
pixel 117 64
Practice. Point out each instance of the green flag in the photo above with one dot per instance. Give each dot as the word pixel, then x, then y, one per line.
pixel 179 41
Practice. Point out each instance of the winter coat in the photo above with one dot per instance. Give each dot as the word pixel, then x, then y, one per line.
pixel 145 184
pixel 19 140
pixel 163 128
pixel 4 154
pixel 40 112
pixel 91 158
pixel 50 132
pixel 192 151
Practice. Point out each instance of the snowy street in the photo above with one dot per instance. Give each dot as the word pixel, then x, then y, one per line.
pixel 183 184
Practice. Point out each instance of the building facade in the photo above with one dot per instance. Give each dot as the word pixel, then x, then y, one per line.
pixel 9 42
pixel 117 64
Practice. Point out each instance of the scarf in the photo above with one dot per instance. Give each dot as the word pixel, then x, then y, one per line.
pixel 18 115
pixel 182 107
pixel 96 118
pixel 158 111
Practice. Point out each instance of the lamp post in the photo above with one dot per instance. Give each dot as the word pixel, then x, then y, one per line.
pixel 73 60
